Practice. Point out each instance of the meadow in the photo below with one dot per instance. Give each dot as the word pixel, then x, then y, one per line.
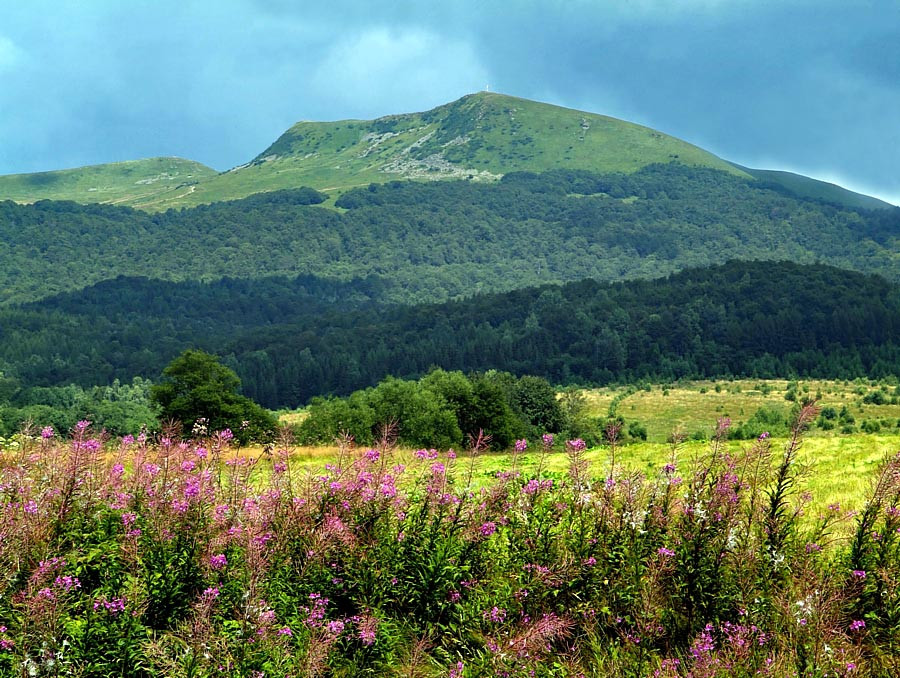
pixel 837 466
pixel 685 558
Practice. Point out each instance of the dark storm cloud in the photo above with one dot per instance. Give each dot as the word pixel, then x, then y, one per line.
pixel 808 86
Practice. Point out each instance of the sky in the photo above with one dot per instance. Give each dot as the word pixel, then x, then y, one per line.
pixel 811 86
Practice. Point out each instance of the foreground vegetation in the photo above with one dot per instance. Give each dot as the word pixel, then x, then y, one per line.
pixel 180 558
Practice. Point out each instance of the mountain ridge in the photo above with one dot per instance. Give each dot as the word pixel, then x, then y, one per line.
pixel 479 137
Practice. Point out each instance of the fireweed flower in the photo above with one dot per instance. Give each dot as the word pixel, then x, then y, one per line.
pixel 547 439
pixel 92 445
pixel 666 553
pixel 67 583
pixel 578 444
pixel 218 561
pixel 857 624
pixel 47 432
pixel 521 445
pixel 859 574
pixel 495 614
pixel 488 528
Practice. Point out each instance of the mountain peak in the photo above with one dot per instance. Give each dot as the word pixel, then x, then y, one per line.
pixel 479 137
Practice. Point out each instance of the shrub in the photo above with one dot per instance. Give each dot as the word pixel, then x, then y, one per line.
pixel 140 558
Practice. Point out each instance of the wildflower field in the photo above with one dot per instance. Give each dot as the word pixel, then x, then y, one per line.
pixel 172 557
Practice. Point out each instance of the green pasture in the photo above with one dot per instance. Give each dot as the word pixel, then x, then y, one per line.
pixel 839 468
pixel 694 407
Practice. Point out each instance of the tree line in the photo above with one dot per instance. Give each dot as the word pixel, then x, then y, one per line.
pixel 290 342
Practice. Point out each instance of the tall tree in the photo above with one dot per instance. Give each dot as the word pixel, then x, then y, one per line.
pixel 196 386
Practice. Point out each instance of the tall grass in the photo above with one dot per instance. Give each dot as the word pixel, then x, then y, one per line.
pixel 179 557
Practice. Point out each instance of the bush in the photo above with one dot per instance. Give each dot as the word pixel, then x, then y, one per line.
pixel 169 564
pixel 196 390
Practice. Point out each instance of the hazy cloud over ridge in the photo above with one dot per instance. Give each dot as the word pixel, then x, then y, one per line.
pixel 809 86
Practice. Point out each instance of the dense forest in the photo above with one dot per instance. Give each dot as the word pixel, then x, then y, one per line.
pixel 435 241
pixel 292 339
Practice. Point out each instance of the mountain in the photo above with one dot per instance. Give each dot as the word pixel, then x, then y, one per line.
pixel 439 240
pixel 805 187
pixel 480 137
pixel 126 183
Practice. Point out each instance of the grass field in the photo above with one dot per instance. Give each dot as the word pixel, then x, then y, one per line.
pixel 694 407
pixel 840 467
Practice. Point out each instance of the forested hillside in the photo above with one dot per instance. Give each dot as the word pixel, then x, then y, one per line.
pixel 290 340
pixel 442 240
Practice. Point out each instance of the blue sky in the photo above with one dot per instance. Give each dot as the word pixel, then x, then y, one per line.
pixel 811 86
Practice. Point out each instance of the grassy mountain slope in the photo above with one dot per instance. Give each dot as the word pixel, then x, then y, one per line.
pixel 480 136
pixel 807 187
pixel 126 183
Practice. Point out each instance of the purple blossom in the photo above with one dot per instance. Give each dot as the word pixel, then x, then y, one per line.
pixel 488 528
pixel 857 624
pixel 859 574
pixel 285 631
pixel 67 583
pixel 280 467
pixel 113 607
pixel 92 445
pixel 577 445
pixel 372 455
pixel 336 627
pixel 495 614
pixel 521 445
pixel 47 432
pixel 218 561
pixel 128 440
pixel 547 440
pixel 763 435
pixel 666 553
